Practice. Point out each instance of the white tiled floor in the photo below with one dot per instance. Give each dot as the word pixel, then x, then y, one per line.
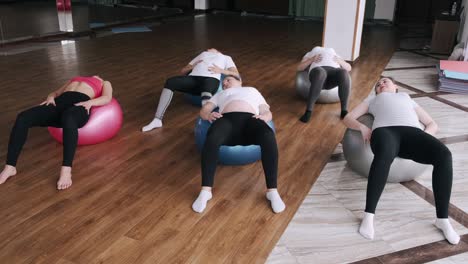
pixel 408 59
pixel 461 99
pixel 451 121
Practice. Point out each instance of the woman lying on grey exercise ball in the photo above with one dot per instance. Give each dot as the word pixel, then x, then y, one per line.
pixel 396 132
pixel 326 71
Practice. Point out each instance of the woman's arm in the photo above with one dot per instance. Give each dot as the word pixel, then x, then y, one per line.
pixel 189 67
pixel 306 62
pixel 206 113
pixel 343 64
pixel 106 96
pixel 185 70
pixel 351 121
pixel 230 71
pixel 426 119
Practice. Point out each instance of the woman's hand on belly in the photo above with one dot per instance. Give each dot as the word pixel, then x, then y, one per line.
pixel 265 118
pixel 213 116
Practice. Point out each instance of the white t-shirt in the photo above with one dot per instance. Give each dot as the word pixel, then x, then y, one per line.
pixel 393 109
pixel 209 59
pixel 327 57
pixel 249 95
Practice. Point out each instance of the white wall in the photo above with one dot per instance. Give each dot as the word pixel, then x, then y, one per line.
pixel 201 4
pixel 385 9
pixel 339 27
pixel 464 36
pixel 360 22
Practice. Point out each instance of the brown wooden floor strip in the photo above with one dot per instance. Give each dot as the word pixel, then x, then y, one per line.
pixel 431 94
pixel 445 101
pixel 410 68
pixel 454 139
pixel 421 254
pixel 456 213
pixel 337 157
pixel 406 86
pixel 425 55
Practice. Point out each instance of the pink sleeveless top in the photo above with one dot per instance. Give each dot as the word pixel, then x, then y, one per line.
pixel 93 82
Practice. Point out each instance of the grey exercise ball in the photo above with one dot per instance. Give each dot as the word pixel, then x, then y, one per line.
pixel 359 156
pixel 303 87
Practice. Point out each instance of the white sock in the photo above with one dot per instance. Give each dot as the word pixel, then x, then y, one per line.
pixel 277 203
pixel 200 203
pixel 450 234
pixel 367 226
pixel 154 124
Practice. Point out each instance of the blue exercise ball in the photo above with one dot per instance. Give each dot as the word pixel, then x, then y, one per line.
pixel 196 99
pixel 229 155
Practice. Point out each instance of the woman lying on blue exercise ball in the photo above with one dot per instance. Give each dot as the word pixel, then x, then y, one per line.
pixel 241 120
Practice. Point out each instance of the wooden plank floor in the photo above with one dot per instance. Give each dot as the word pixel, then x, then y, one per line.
pixel 131 198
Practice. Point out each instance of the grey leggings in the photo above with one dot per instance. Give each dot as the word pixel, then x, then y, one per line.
pixel 326 77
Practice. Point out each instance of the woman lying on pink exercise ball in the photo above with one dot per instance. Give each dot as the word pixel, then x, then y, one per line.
pixel 68 108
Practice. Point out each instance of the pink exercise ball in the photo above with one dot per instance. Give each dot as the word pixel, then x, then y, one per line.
pixel 103 124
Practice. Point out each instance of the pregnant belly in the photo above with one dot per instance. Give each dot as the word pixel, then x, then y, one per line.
pixel 239 106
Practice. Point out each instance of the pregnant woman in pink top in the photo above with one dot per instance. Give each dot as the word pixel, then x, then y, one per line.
pixel 68 108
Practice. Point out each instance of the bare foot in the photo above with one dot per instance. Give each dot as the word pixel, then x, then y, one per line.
pixel 7 172
pixel 65 180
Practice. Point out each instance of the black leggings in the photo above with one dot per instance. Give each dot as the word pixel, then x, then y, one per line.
pixel 326 77
pixel 240 128
pixel 194 85
pixel 409 143
pixel 65 115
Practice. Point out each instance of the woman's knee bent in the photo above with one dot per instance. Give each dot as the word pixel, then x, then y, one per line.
pixel 23 119
pixel 68 122
pixel 171 83
pixel 213 142
pixel 317 73
pixel 343 75
pixel 443 156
